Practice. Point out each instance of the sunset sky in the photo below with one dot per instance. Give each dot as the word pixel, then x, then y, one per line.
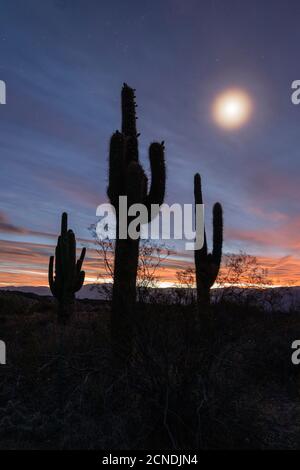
pixel 64 62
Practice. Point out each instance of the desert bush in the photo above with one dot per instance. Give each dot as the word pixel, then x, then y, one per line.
pixel 12 303
pixel 231 387
pixel 150 263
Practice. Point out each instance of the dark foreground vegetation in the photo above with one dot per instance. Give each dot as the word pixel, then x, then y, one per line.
pixel 228 383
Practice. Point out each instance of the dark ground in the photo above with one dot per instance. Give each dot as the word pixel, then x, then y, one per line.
pixel 229 384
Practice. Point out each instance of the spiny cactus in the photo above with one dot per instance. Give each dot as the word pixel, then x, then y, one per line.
pixel 207 265
pixel 127 178
pixel 68 277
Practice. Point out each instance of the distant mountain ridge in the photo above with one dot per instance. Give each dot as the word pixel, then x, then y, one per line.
pixel 88 291
pixel 284 298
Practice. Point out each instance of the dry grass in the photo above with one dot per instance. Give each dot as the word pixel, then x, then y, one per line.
pixel 189 385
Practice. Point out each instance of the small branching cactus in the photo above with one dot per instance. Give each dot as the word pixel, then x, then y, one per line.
pixel 69 277
pixel 207 265
pixel 127 178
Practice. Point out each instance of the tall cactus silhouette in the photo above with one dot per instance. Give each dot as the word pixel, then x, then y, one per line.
pixel 68 277
pixel 127 178
pixel 208 264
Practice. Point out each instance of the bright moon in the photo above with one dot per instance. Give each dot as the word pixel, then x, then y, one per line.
pixel 232 108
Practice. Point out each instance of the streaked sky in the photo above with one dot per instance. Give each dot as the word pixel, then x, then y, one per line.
pixel 64 62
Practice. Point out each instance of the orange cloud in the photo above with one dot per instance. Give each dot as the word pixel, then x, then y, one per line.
pixel 284 235
pixel 7 227
pixel 24 263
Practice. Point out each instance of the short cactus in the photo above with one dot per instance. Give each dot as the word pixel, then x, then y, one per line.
pixel 207 265
pixel 69 277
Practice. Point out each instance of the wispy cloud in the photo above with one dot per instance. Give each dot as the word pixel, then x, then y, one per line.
pixel 7 227
pixel 284 235
pixel 24 263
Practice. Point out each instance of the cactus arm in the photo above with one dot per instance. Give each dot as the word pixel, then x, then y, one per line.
pixel 79 281
pixel 82 255
pixel 50 275
pixel 202 253
pixel 217 233
pixel 80 261
pixel 158 175
pixel 64 250
pixel 58 267
pixel 72 251
pixel 116 167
